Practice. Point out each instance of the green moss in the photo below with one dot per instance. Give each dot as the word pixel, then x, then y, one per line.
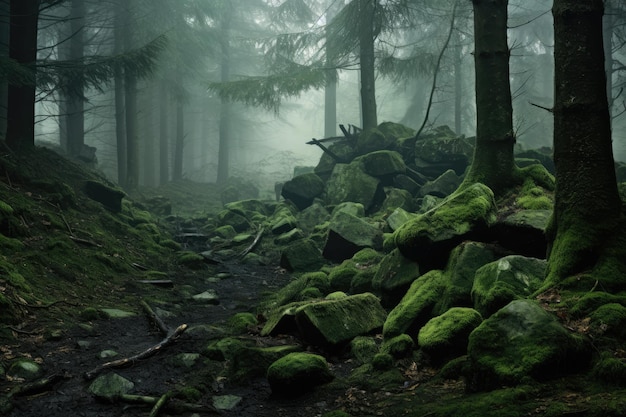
pixel 298 372
pixel 89 314
pixel 398 347
pixel 226 232
pixel 363 348
pixel 340 277
pixel 189 394
pixel 241 322
pixel 387 378
pixel 10 244
pixel 190 259
pixel 445 336
pixel 610 370
pixel 533 197
pixel 5 209
pixel 382 361
pixel 170 244
pixel 610 319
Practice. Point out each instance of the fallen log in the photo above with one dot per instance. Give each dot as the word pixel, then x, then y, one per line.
pixel 171 338
pixel 253 244
pixel 35 387
pixel 155 318
pixel 173 405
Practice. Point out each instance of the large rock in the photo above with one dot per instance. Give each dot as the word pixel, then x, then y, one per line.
pixel 312 216
pixel 429 238
pixel 343 150
pixel 394 277
pixel 445 336
pixel 440 150
pixel 300 256
pixel 371 140
pixel 332 323
pixel 524 232
pixel 442 186
pixel 502 281
pixel 349 234
pixel 519 341
pixel 398 217
pixel 396 198
pixel 416 307
pixel 303 189
pixel 383 164
pixel 297 373
pixel 350 183
pixel 109 197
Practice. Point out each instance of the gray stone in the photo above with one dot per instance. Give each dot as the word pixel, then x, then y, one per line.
pixel 301 256
pixel 398 217
pixel 350 183
pixel 442 186
pixel 348 234
pixel 109 386
pixel 25 369
pixel 207 297
pixel 311 216
pixel 303 189
pixel 383 164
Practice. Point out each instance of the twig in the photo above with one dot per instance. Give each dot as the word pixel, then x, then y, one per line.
pixel 253 244
pixel 165 398
pixel 43 306
pixel 29 388
pixel 174 405
pixel 143 355
pixel 541 107
pixel 155 318
pixel 20 331
pixel 84 241
pixel 439 58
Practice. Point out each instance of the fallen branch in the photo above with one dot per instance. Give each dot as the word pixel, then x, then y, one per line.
pixel 162 402
pixel 541 107
pixel 155 318
pixel 174 406
pixel 253 244
pixel 171 338
pixel 29 388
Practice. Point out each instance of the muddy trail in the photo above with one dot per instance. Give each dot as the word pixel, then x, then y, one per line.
pixel 77 351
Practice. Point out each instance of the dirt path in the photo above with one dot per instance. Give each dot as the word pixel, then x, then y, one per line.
pixel 77 351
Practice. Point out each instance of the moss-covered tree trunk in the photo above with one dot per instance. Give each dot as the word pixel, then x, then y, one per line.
pixel 587 204
pixel 493 163
pixel 367 34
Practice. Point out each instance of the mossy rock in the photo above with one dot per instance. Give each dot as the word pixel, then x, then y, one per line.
pixel 400 346
pixel 610 369
pixel 416 307
pixel 373 139
pixel 349 234
pixel 349 182
pixel 297 373
pixel 189 259
pixel 242 322
pixel 282 319
pixel 340 277
pixel 394 277
pixel 248 207
pixel 382 164
pixel 446 336
pixel 303 189
pixel 521 342
pixel 301 256
pixel 108 196
pixel 429 238
pixel 387 375
pixel 398 217
pixel 502 281
pixel 236 220
pixel 349 207
pixel 312 216
pixel 292 291
pixel 394 199
pixel 363 348
pixel 609 320
pixel 288 237
pixel 225 232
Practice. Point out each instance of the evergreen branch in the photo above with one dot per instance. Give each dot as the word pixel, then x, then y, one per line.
pixel 399 69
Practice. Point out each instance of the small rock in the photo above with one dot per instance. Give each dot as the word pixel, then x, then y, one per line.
pixel 208 297
pixel 25 369
pixel 111 385
pixel 114 313
pixel 226 402
pixel 105 354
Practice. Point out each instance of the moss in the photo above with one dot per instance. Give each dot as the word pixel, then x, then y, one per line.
pixel 398 347
pixel 387 378
pixel 170 244
pixel 190 259
pixel 610 370
pixel 298 372
pixel 241 322
pixel 610 319
pixel 533 197
pixel 10 244
pixel 16 280
pixel 340 277
pixel 445 336
pixel 310 293
pixel 382 361
pixel 363 348
pixel 189 394
pixel 89 314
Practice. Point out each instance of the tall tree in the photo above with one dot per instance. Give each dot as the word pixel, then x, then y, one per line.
pixel 368 31
pixel 24 16
pixel 587 209
pixel 226 16
pixel 493 163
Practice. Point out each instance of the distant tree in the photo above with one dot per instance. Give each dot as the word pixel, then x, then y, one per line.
pixel 587 219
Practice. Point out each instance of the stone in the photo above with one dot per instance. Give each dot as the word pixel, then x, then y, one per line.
pixel 348 182
pixel 400 346
pixel 395 198
pixel 500 282
pixel 297 373
pixel 442 186
pixel 312 216
pixel 524 232
pixel 108 196
pixel 429 238
pixel 445 337
pixel 116 313
pixel 371 140
pixel 110 386
pixel 383 164
pixel 303 189
pixel 25 369
pixel 226 402
pixel 404 182
pixel 300 256
pixel 349 234
pixel 523 341
pixel 398 217
pixel 416 306
pixel 332 323
pixel 394 277
pixel 439 150
pixel 207 297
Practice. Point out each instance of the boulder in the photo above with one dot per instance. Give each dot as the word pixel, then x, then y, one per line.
pixel 383 164
pixel 300 256
pixel 522 340
pixel 394 277
pixel 502 281
pixel 440 150
pixel 109 197
pixel 404 182
pixel 416 306
pixel 349 234
pixel 396 131
pixel 523 232
pixel 348 182
pixel 349 207
pixel 400 346
pixel 297 373
pixel 312 216
pixel 398 217
pixel 303 189
pixel 371 140
pixel 342 150
pixel 332 323
pixel 236 219
pixel 396 198
pixel 442 186
pixel 445 337
pixel 429 238
pixel 110 386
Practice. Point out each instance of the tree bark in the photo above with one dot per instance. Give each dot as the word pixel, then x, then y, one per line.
pixel 23 49
pixel 223 158
pixel 164 173
pixel 4 53
pixel 493 163
pixel 130 108
pixel 75 117
pixel 177 172
pixel 587 204
pixel 118 80
pixel 367 35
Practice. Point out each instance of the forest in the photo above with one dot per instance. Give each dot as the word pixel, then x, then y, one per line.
pixel 312 207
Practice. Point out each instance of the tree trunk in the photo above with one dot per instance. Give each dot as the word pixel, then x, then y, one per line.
pixel 493 163
pixel 164 172
pixel 75 94
pixel 587 205
pixel 330 90
pixel 4 53
pixel 130 107
pixel 177 173
pixel 223 158
pixel 607 34
pixel 118 80
pixel 367 35
pixel 458 86
pixel 23 49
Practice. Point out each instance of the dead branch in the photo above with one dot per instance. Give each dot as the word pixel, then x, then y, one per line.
pixel 162 402
pixel 253 244
pixel 155 318
pixel 85 241
pixel 30 388
pixel 325 149
pixel 541 107
pixel 171 338
pixel 174 406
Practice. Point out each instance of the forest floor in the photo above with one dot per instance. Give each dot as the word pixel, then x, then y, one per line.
pixel 57 233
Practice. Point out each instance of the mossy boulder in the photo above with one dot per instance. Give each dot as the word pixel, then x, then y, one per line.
pixel 396 198
pixel 297 373
pixel 300 256
pixel 464 261
pixel 344 152
pixel 416 306
pixel 445 337
pixel 293 290
pixel 290 236
pixel 282 319
pixel 332 323
pixel 394 276
pixel 398 217
pixel 349 234
pixel 429 238
pixel 348 182
pixel 523 341
pixel 524 232
pixel 26 369
pixel 242 322
pixel 303 189
pixel 400 346
pixel 383 164
pixel 609 320
pixel 109 196
pixel 442 186
pixel 363 348
pixel 371 140
pixel 235 219
pixel 502 281
pixel 312 216
pixel 440 149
